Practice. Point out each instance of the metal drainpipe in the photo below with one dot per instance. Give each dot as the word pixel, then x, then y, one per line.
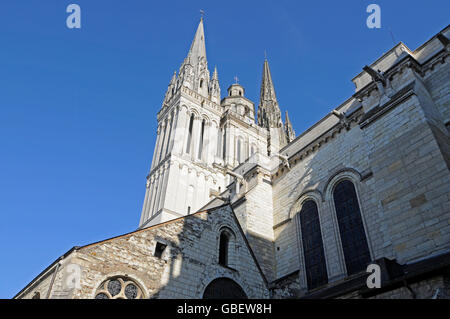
pixel 53 279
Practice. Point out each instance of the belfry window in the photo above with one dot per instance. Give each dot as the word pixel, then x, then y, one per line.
pixel 224 151
pixel 189 139
pixel 170 133
pixel 200 146
pixel 316 270
pixel 351 228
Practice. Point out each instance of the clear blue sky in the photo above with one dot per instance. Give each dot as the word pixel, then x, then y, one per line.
pixel 78 107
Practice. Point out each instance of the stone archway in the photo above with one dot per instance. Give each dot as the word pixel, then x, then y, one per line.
pixel 224 288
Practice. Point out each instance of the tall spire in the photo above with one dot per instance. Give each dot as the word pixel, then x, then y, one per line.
pixel 198 48
pixel 194 72
pixel 267 90
pixel 290 133
pixel 269 114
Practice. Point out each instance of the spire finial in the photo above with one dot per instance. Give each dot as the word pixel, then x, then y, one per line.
pixel 202 13
pixel 265 55
pixel 236 79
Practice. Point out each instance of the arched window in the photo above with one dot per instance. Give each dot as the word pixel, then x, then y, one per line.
pixel 200 147
pixel 201 83
pixel 316 270
pixel 119 288
pixel 188 144
pixel 224 242
pixel 351 228
pixel 224 141
pixel 170 132
pixel 224 288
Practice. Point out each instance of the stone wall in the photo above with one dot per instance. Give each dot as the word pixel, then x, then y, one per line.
pixel 397 164
pixel 188 264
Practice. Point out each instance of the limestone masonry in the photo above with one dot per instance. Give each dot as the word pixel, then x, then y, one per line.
pixel 237 206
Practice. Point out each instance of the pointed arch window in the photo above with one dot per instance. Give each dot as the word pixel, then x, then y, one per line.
pixel 200 146
pixel 170 133
pixel 223 248
pixel 224 141
pixel 189 139
pixel 315 266
pixel 351 228
pixel 227 253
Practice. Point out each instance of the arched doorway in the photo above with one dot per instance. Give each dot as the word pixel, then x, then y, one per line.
pixel 224 288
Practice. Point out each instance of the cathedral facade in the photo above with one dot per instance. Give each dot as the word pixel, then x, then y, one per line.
pixel 237 206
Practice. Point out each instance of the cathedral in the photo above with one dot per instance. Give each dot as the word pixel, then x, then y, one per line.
pixel 238 206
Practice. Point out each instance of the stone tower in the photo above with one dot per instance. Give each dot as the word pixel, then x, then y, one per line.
pixel 202 139
pixel 269 114
pixel 182 172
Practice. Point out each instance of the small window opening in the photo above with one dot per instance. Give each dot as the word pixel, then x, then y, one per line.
pixel 159 249
pixel 223 249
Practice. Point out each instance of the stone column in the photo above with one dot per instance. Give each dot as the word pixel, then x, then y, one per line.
pixel 164 141
pixel 210 144
pixel 219 146
pixel 145 205
pixel 155 151
pixel 168 135
pixel 174 130
pixel 161 144
pixel 164 186
pixel 153 190
pixel 158 194
pixel 180 132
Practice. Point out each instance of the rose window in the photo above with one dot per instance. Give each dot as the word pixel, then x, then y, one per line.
pixel 118 288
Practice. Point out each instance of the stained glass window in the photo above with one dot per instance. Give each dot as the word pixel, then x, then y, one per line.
pixel 351 228
pixel 119 288
pixel 316 270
